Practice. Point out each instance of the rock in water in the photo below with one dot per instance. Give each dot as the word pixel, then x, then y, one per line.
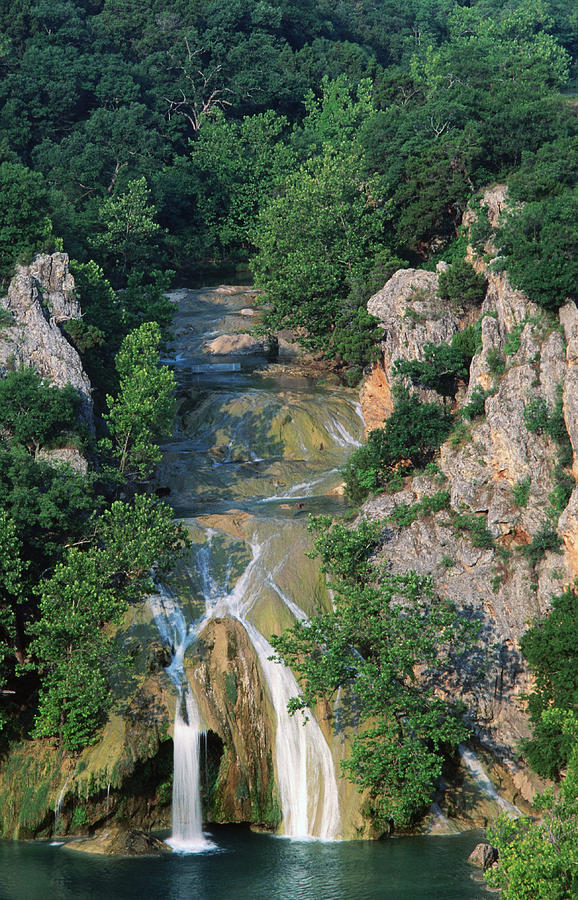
pixel 483 855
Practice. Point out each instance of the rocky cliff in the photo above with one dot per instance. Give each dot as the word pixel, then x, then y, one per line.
pixel 503 477
pixel 40 300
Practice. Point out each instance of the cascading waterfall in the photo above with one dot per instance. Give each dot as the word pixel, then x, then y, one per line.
pixel 471 762
pixel 305 770
pixel 187 832
pixel 265 448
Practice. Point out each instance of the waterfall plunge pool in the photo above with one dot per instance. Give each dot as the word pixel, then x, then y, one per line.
pixel 250 866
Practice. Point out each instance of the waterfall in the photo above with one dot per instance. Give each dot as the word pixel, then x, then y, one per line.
pixel 305 769
pixel 187 831
pixel 471 761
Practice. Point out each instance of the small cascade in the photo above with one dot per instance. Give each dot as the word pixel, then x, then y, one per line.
pixel 187 814
pixel 187 835
pixel 472 763
pixel 59 802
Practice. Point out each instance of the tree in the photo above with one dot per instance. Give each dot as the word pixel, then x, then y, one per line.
pixel 131 233
pixel 143 411
pixel 313 242
pixel 12 568
pixel 382 630
pixel 550 648
pixel 81 663
pixel 539 247
pixel 538 860
pixel 409 438
pixel 33 412
pixel 25 225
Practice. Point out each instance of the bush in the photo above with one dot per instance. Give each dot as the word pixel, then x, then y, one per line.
pixel 460 283
pixel 539 245
pixel 409 438
pixel 443 365
pixel 477 404
pixel 551 650
pixel 544 539
pixel 521 492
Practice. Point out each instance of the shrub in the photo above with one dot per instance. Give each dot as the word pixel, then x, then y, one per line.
pixel 521 492
pixel 543 540
pixel 496 363
pixel 477 403
pixel 539 246
pixel 460 283
pixel 409 438
pixel 551 650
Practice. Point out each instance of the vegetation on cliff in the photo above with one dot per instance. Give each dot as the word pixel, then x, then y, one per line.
pixel 383 629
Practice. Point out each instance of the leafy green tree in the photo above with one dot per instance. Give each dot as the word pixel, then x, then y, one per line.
pixel 12 568
pixel 382 628
pixel 313 242
pixel 538 860
pixel 460 283
pixel 25 225
pixel 442 367
pixel 409 438
pixel 143 411
pixel 82 665
pixel 131 233
pixel 550 648
pixel 33 412
pixel 539 247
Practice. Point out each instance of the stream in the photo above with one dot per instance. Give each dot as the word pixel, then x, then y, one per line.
pixel 258 447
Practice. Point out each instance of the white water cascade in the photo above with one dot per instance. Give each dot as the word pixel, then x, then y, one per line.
pixel 471 761
pixel 187 832
pixel 305 769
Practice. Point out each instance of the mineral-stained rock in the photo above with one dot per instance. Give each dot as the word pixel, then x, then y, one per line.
pixel 118 841
pixel 234 344
pixel 224 673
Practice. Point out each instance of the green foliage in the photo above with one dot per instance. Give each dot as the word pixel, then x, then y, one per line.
pixel 545 539
pixel 408 440
pixel 143 411
pixel 476 527
pixel 443 365
pixel 521 492
pixel 25 221
pixel 538 859
pixel 80 662
pixel 312 242
pixel 550 648
pixel 12 568
pixel 496 363
pixel 477 403
pixel 461 284
pixel 539 247
pixel 345 553
pixel 404 514
pixel 382 627
pixel 130 230
pixel 33 412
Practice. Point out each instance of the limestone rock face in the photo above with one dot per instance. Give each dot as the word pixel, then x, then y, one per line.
pixel 411 315
pixel 40 299
pixel 525 356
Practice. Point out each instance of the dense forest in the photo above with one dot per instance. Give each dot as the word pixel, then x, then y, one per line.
pixel 322 145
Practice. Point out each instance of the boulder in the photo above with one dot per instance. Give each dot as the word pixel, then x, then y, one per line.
pixel 483 855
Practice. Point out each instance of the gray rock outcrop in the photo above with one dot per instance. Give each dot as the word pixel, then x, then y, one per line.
pixel 40 299
pixel 497 471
